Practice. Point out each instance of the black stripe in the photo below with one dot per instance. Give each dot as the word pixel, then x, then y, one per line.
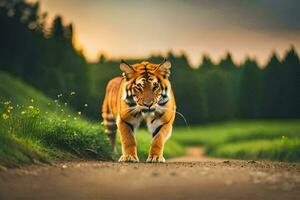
pixel 160 83
pixel 130 87
pixel 128 124
pixel 111 126
pixel 164 99
pixel 130 101
pixel 146 71
pixel 156 130
pixel 159 115
pixel 136 114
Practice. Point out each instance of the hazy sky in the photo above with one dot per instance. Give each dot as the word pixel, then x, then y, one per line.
pixel 136 28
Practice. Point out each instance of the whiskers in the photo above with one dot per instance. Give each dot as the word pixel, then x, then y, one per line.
pixel 181 115
pixel 131 110
pixel 135 110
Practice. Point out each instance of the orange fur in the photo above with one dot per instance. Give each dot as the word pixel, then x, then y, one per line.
pixel 143 93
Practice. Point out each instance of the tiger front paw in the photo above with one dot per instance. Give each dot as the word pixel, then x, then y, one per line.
pixel 155 159
pixel 129 158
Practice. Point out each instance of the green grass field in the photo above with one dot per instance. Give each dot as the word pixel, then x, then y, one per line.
pixel 16 91
pixel 35 128
pixel 273 139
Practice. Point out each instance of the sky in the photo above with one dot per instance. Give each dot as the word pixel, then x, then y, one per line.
pixel 138 28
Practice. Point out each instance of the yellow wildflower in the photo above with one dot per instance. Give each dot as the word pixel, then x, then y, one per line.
pixel 31 100
pixel 79 113
pixel 10 108
pixel 30 107
pixel 6 102
pixel 23 112
pixel 5 116
pixel 64 121
pixel 75 118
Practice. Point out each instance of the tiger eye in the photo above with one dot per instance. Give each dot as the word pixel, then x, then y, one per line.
pixel 155 86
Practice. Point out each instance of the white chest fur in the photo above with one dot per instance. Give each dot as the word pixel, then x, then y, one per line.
pixel 152 123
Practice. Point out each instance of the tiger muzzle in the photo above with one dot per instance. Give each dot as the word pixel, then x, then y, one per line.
pixel 148 110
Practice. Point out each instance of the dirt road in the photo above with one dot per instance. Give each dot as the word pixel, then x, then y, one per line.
pixel 189 177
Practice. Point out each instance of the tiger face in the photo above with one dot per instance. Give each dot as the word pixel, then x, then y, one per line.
pixel 146 86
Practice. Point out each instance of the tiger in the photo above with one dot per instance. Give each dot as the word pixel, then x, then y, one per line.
pixel 143 92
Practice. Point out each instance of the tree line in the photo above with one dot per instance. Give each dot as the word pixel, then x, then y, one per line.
pixel 222 91
pixel 46 58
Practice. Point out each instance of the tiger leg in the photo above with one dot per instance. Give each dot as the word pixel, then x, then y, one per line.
pixel 110 128
pixel 158 142
pixel 129 145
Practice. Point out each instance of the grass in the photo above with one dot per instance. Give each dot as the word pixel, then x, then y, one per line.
pixel 30 135
pixel 35 128
pixel 272 139
pixel 278 149
pixel 20 93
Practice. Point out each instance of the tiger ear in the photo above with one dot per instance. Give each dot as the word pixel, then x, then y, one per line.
pixel 164 69
pixel 127 69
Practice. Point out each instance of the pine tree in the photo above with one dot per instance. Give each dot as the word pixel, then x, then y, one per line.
pixel 272 99
pixel 250 91
pixel 206 63
pixel 291 84
pixel 227 62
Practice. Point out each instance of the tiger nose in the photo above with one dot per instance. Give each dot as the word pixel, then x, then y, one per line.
pixel 148 103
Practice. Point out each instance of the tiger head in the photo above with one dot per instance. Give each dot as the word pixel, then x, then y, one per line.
pixel 147 85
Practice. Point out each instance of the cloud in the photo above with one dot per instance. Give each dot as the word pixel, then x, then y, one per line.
pixel 254 14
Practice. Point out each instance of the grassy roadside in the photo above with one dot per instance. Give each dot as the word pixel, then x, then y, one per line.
pixel 272 139
pixel 35 128
pixel 278 149
pixel 31 136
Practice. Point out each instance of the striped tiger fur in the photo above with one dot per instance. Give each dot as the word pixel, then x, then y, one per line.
pixel 143 93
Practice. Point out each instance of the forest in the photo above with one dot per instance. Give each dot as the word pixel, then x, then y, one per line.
pixel 44 57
